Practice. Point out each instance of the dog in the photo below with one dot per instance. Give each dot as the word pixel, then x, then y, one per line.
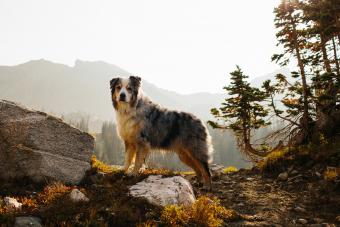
pixel 144 126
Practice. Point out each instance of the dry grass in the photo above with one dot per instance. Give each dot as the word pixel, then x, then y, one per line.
pixel 52 192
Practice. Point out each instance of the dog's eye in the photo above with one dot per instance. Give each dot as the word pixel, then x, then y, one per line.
pixel 118 87
pixel 129 89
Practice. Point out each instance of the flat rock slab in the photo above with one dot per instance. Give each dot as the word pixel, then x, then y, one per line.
pixel 164 191
pixel 42 147
pixel 27 222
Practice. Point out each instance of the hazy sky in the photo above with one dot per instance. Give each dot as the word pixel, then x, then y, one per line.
pixel 181 45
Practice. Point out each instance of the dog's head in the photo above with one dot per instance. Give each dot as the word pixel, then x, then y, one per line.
pixel 125 90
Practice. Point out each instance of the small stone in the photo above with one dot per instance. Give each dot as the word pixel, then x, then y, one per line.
pixel 294 172
pixel 318 220
pixel 283 176
pixel 11 202
pixel 249 178
pixel 240 204
pixel 78 196
pixel 337 219
pixel 302 221
pixel 300 209
pixel 318 174
pixel 290 168
pixel 27 221
pixel 327 225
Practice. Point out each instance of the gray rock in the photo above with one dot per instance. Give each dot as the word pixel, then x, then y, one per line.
pixel 283 176
pixel 27 222
pixel 39 146
pixel 77 196
pixel 11 202
pixel 164 191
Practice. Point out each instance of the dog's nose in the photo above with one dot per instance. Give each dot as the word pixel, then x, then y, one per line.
pixel 122 97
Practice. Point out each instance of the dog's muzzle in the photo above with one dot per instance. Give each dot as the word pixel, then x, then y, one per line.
pixel 122 97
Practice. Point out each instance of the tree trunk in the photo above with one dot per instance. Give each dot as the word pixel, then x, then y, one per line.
pixel 324 54
pixel 305 116
pixel 336 58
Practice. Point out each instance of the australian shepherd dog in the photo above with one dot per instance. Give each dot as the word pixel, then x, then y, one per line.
pixel 145 126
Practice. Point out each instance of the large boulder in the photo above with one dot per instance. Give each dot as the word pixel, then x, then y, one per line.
pixel 164 191
pixel 41 147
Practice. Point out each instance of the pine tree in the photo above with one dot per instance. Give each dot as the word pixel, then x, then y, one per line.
pixel 288 17
pixel 241 112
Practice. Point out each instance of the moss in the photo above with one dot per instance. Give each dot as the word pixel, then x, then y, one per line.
pixel 230 169
pixel 99 166
pixel 164 172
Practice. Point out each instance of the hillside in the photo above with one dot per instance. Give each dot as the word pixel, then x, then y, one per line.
pixel 62 89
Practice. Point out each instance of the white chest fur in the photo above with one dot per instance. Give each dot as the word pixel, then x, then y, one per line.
pixel 127 125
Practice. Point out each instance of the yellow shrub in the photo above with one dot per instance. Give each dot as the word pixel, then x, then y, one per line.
pixel 273 159
pixel 229 169
pixel 174 215
pixel 204 212
pixel 208 212
pixel 330 174
pixel 148 223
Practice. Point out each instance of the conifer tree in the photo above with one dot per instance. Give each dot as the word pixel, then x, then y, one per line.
pixel 241 112
pixel 288 17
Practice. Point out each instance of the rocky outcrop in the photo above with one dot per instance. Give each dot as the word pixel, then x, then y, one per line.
pixel 164 191
pixel 41 147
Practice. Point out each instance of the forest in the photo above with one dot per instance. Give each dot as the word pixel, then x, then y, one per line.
pixel 306 103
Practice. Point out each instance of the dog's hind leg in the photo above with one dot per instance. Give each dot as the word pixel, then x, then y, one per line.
pixel 130 155
pixel 200 168
pixel 185 158
pixel 142 153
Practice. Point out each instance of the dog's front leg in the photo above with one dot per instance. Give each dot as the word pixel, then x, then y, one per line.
pixel 130 155
pixel 142 152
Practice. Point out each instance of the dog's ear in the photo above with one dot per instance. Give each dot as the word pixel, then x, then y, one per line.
pixel 136 80
pixel 113 83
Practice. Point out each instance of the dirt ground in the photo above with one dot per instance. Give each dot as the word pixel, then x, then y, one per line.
pixel 303 199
